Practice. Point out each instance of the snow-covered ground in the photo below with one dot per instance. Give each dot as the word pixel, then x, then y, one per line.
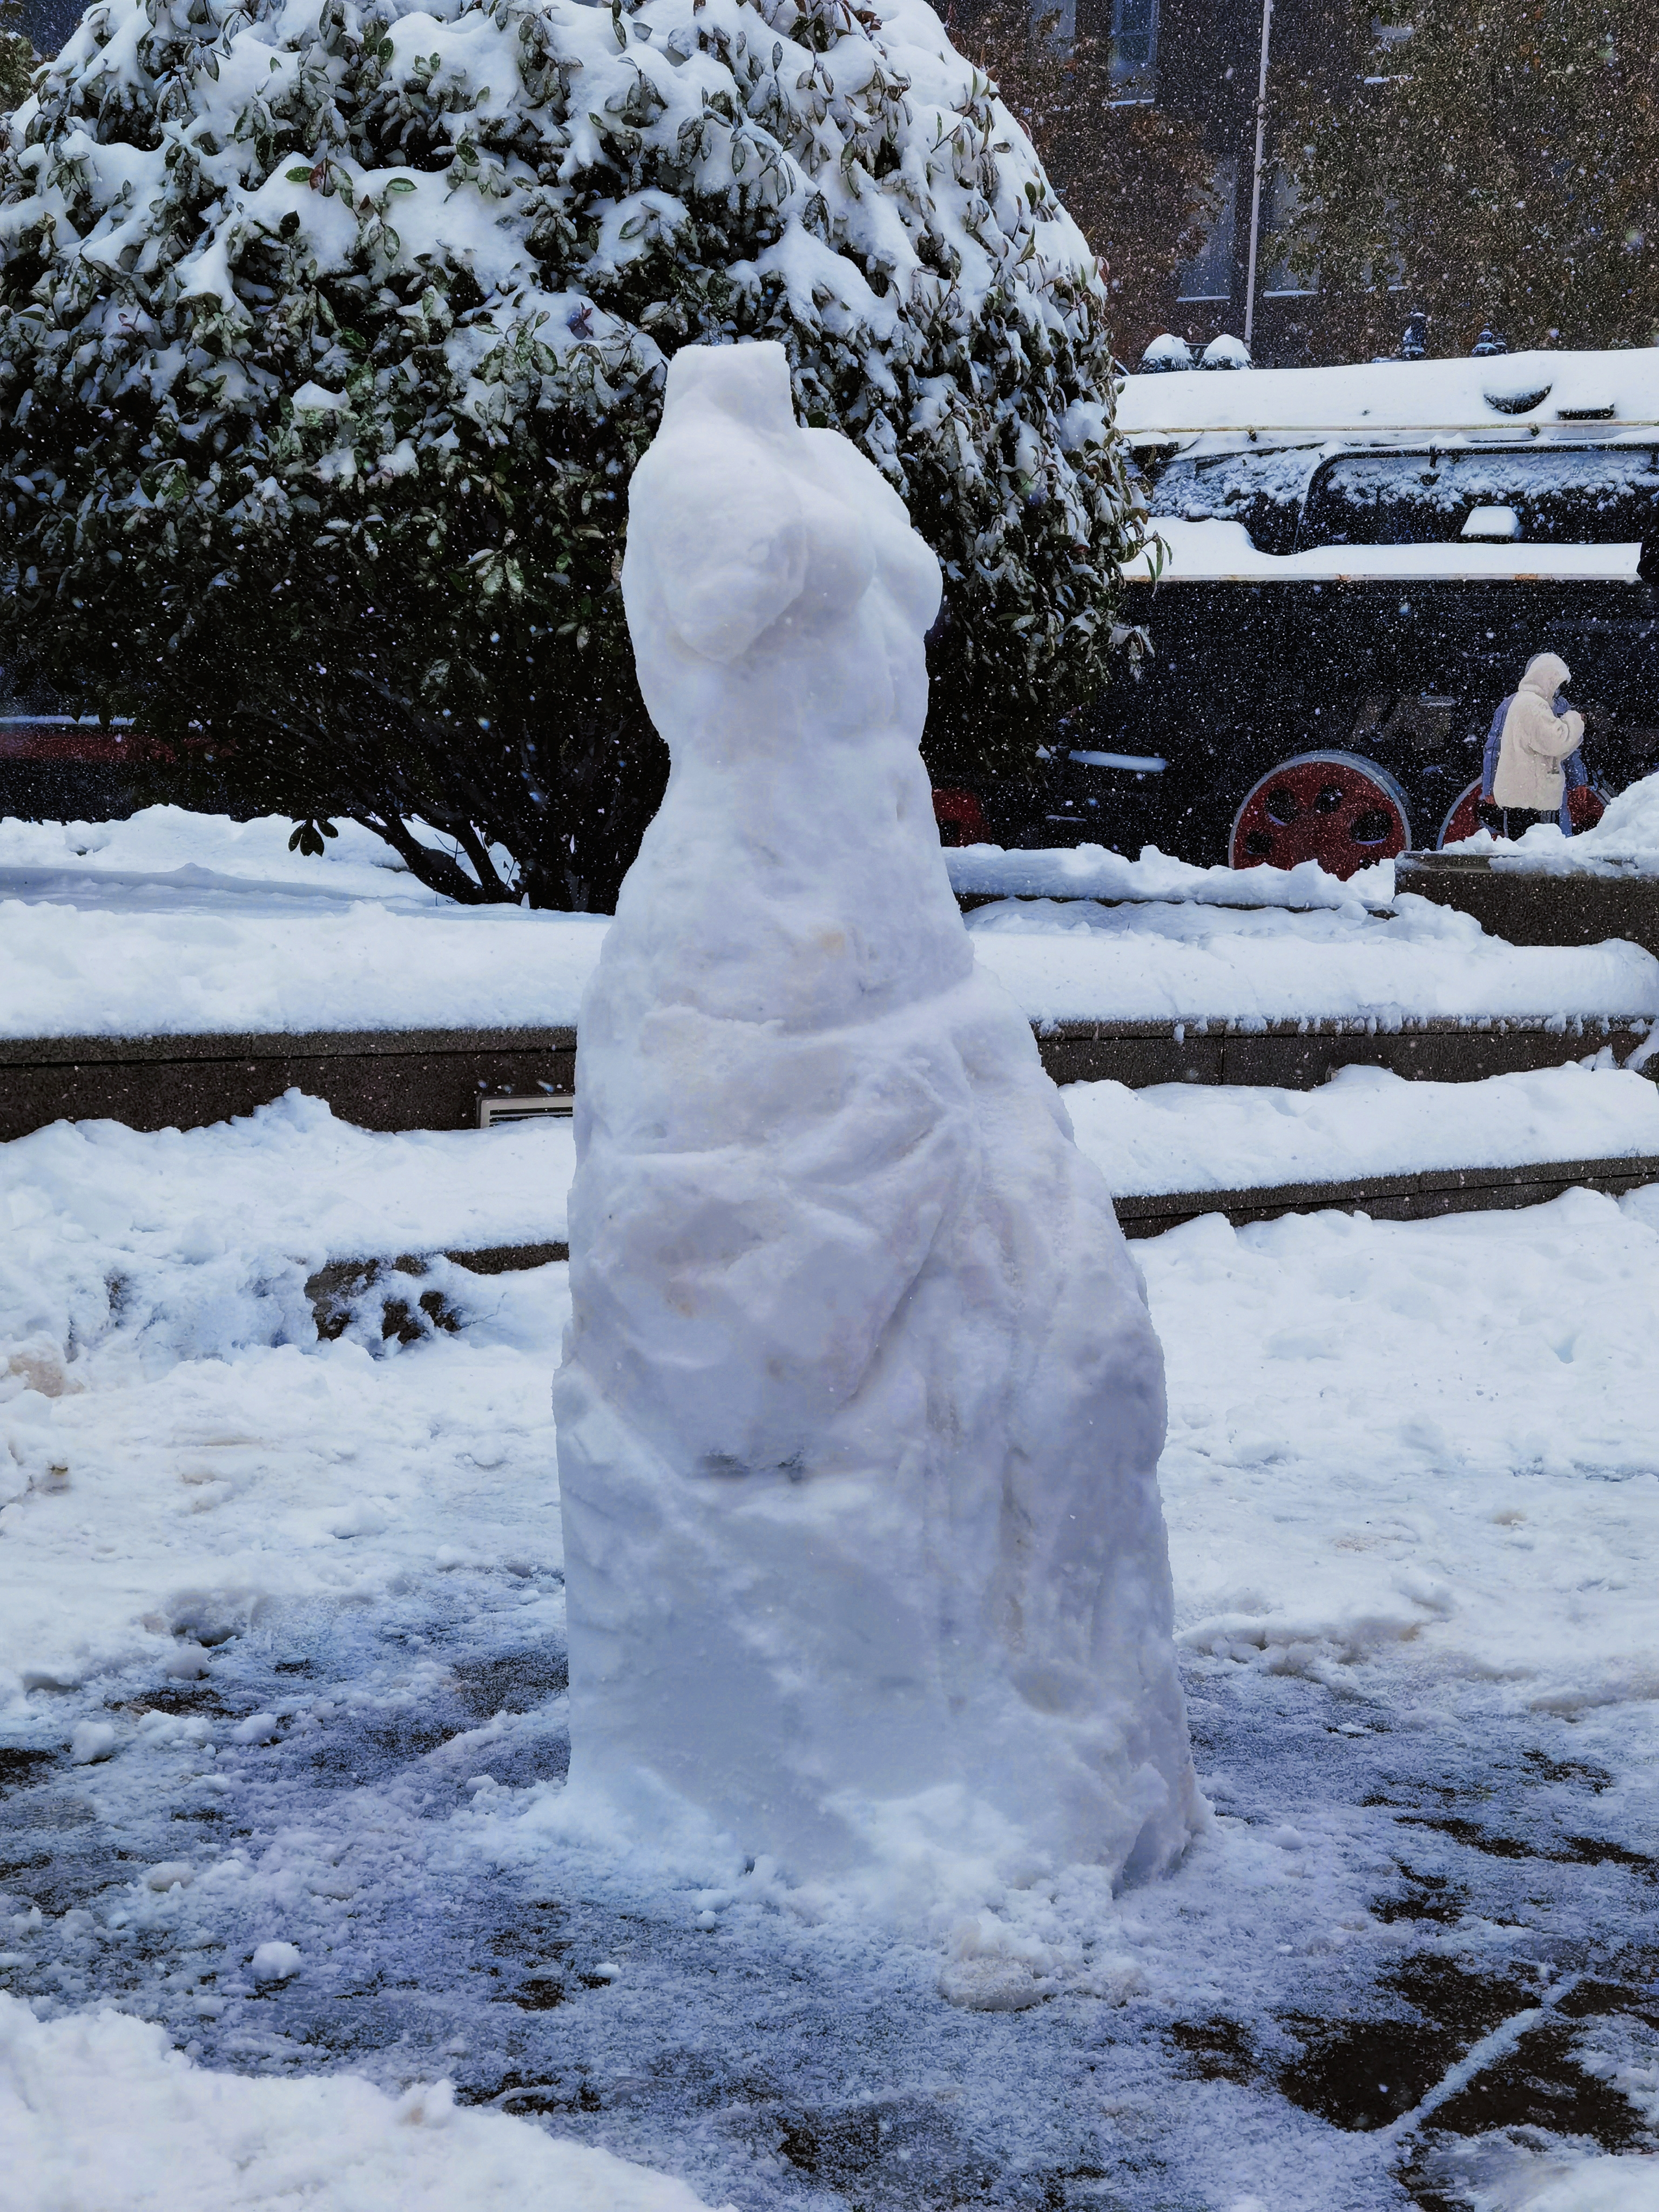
pixel 206 1227
pixel 174 924
pixel 283 1722
pixel 280 1624
pixel 169 2133
pixel 128 937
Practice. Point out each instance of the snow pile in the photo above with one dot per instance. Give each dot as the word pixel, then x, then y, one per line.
pixel 1091 872
pixel 211 1234
pixel 1624 842
pixel 169 2133
pixel 165 847
pixel 180 1454
pixel 1165 354
pixel 1500 2173
pixel 1194 963
pixel 1364 1121
pixel 1627 835
pixel 860 1411
pixel 1413 1449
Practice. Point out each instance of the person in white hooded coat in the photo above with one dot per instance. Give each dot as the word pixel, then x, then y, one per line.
pixel 1530 782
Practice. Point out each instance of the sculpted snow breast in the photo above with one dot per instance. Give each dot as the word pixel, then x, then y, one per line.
pixel 861 1406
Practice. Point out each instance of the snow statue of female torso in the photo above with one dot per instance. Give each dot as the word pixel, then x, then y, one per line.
pixel 860 1409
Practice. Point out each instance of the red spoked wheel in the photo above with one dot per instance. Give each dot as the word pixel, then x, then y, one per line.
pixel 1335 808
pixel 1585 807
pixel 961 819
pixel 1462 817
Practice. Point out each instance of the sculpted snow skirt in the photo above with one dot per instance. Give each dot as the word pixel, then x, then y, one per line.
pixel 862 1406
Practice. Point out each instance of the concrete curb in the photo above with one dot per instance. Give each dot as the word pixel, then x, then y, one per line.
pixel 1421 1197
pixel 1526 906
pixel 433 1079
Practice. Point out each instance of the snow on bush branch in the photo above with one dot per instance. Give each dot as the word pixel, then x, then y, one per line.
pixel 367 306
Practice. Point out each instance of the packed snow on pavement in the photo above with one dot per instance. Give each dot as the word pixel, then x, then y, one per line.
pixel 281 1628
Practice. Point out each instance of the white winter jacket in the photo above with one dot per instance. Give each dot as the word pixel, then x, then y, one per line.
pixel 1537 740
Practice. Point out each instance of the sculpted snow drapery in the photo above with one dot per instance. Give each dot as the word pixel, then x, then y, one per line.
pixel 861 1406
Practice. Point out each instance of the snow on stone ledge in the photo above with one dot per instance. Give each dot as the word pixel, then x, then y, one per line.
pixel 1091 872
pixel 1197 964
pixel 163 847
pixel 297 1183
pixel 70 971
pixel 1364 1121
pixel 200 926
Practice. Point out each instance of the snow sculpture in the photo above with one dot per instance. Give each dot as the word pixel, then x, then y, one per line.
pixel 861 1406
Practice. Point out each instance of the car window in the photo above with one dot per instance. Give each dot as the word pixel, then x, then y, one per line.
pixel 1264 491
pixel 1573 498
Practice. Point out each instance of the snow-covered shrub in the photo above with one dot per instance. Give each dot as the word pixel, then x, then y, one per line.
pixel 329 334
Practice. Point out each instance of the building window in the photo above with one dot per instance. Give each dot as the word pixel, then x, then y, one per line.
pixel 1135 38
pixel 1281 284
pixel 1211 275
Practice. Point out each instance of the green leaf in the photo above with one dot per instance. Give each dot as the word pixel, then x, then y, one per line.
pixel 301 176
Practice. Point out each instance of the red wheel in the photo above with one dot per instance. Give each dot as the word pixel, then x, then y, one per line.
pixel 1585 807
pixel 1462 816
pixel 1334 808
pixel 960 818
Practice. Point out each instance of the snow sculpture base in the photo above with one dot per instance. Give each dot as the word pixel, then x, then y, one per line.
pixel 861 1406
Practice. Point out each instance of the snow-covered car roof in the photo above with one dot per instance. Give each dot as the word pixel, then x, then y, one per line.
pixel 1582 397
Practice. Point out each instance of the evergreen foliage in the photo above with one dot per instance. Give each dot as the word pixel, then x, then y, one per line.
pixel 1500 164
pixel 329 333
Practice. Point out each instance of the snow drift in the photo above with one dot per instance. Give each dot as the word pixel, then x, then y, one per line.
pixel 862 1406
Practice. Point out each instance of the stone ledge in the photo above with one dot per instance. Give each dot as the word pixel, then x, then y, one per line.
pixel 1526 906
pixel 1419 1197
pixel 278 1044
pixel 433 1079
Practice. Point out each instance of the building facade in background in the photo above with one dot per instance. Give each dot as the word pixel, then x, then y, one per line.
pixel 1201 60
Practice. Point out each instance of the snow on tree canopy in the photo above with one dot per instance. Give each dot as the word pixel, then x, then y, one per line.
pixel 304 273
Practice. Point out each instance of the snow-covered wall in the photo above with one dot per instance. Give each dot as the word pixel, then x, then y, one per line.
pixel 861 1406
pixel 175 925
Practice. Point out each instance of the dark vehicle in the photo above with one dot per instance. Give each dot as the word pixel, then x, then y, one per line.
pixel 1356 566
pixel 58 767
